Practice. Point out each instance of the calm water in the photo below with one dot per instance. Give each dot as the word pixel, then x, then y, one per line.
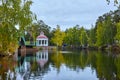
pixel 75 65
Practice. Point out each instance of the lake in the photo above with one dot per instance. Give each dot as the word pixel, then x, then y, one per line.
pixel 61 65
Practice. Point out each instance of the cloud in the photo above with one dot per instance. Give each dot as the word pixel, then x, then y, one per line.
pixel 70 12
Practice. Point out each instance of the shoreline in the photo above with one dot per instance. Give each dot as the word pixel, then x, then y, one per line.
pixel 115 49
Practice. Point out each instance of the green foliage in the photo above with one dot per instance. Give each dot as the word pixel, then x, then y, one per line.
pixel 99 35
pixel 58 37
pixel 105 32
pixel 83 37
pixel 72 36
pixel 92 37
pixel 109 31
pixel 13 12
pixel 7 39
pixel 117 37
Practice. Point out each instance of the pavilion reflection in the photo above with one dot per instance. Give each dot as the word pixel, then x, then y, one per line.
pixel 32 67
pixel 42 58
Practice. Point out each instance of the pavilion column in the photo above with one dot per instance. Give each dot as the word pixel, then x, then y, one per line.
pixel 46 42
pixel 37 42
pixel 43 42
pixel 40 42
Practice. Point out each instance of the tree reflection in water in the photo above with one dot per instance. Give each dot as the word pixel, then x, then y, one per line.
pixel 44 66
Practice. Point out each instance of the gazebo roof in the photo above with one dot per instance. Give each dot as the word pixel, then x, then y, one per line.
pixel 42 36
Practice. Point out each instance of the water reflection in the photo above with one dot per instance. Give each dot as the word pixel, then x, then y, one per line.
pixel 42 58
pixel 33 67
pixel 82 65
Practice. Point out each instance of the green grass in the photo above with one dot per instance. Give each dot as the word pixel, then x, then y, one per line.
pixel 28 43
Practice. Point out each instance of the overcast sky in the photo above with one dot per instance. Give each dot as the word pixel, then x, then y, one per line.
pixel 68 13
